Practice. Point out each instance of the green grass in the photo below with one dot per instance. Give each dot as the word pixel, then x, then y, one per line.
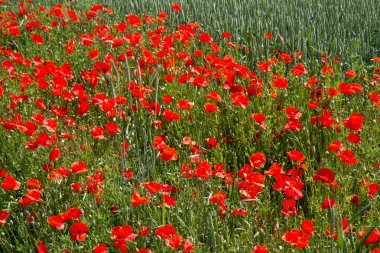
pixel 339 28
pixel 308 26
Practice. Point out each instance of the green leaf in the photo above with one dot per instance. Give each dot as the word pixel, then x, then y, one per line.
pixel 341 242
pixel 360 213
pixel 364 238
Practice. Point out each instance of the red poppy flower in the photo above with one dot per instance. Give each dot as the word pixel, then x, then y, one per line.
pixel 199 81
pixel 104 67
pixel 63 171
pixel 255 178
pixel 153 187
pixel 176 7
pixel 373 237
pixel 213 95
pixel 204 37
pixel 268 35
pixel 297 238
pixel 258 160
pixel 174 241
pixel 97 7
pixel 143 231
pixel 14 29
pixel 326 176
pixel 291 187
pixel 117 42
pixel 79 167
pixel 188 247
pixel 127 174
pixel 356 87
pixel 264 66
pixel 374 97
pixel 259 249
pixel 185 104
pixel 133 20
pixel 34 183
pixel 101 248
pixel 238 98
pixel 313 104
pixel 296 156
pixel 259 119
pixel 347 156
pixel 41 247
pixel 10 184
pixel 54 154
pixel 138 200
pixel 169 78
pixel 165 231
pixel 354 122
pixel 212 143
pixel 84 106
pixel 122 234
pixel 77 187
pixel 328 203
pixel 299 70
pixel 274 170
pixel 120 245
pixel 3 216
pixel 289 208
pixel 144 251
pixel 107 105
pixel 114 209
pixel 98 133
pixel 336 146
pixel 187 170
pixel 74 213
pixel 112 128
pixel 244 171
pixel 93 54
pixel 3 173
pixel 167 98
pixel 355 199
pixel 239 212
pixel 73 16
pixel 219 196
pixel 170 116
pixel 210 107
pixel 350 89
pixel 56 221
pixel 286 57
pixel 99 98
pixel 37 39
pixel 308 226
pixel 280 83
pixel 78 231
pixel 350 73
pixel 373 189
pixel 354 138
pixel 226 35
pixel 167 153
pixel 333 92
pixel 293 112
pixel 203 170
pixel 120 100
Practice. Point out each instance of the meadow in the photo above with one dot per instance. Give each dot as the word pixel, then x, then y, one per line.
pixel 190 126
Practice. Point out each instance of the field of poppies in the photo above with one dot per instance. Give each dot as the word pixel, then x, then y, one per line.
pixel 125 131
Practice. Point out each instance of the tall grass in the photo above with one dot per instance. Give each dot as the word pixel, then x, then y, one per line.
pixel 340 28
